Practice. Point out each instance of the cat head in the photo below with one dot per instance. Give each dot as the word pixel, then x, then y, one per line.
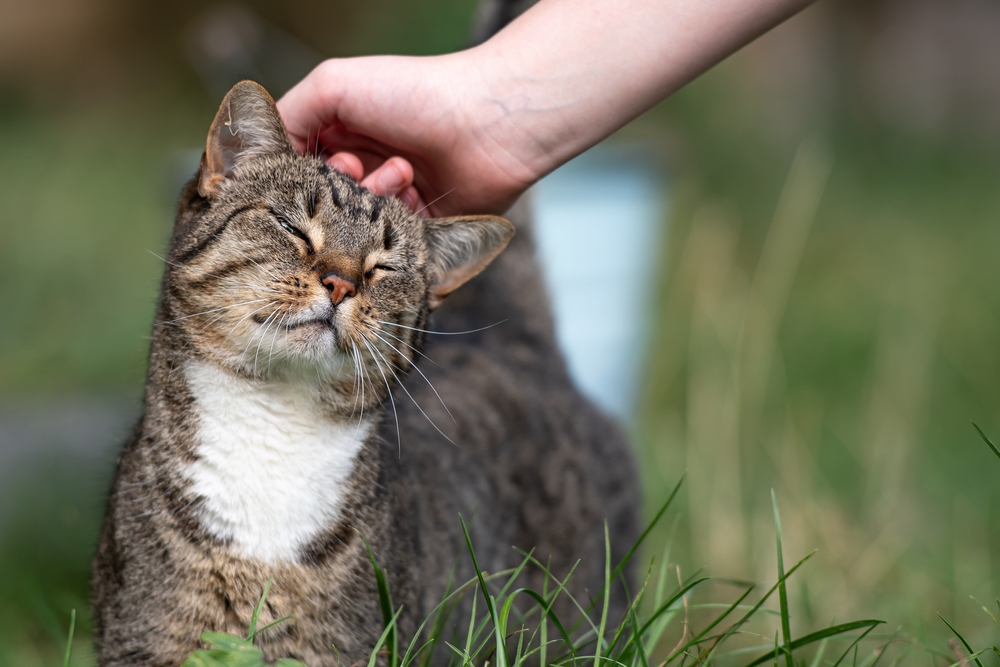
pixel 280 265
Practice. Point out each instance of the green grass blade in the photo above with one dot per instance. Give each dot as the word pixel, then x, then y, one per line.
pixel 820 652
pixel 987 440
pixel 635 604
pixel 256 610
pixel 69 639
pixel 960 637
pixel 385 603
pixel 382 638
pixel 607 597
pixel 853 644
pixel 786 630
pixel 666 606
pixel 719 618
pixel 746 617
pixel 649 528
pixel 472 626
pixel 547 611
pixel 988 612
pixel 271 625
pixel 520 646
pixel 631 552
pixel 437 627
pixel 501 660
pixel 528 557
pixel 821 635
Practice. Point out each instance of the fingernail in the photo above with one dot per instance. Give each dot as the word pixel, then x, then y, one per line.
pixel 339 165
pixel 391 181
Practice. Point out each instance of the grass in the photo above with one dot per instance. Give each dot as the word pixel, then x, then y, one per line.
pixel 511 626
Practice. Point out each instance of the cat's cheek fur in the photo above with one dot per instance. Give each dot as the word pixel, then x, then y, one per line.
pixel 271 466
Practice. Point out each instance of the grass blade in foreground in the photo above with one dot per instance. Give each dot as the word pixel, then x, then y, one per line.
pixel 490 602
pixel 820 635
pixel 256 610
pixel 69 640
pixel 786 631
pixel 988 442
pixel 385 602
pixel 961 638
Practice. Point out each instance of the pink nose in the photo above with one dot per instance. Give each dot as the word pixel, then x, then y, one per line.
pixel 340 287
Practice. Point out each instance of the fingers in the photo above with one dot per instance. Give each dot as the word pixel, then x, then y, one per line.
pixel 394 176
pixel 412 199
pixel 347 163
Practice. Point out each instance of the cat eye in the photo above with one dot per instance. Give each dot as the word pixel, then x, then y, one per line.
pixel 294 231
pixel 383 267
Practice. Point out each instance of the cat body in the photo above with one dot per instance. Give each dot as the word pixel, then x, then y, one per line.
pixel 292 407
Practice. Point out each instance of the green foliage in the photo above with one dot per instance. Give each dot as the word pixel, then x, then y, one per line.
pixel 511 627
pixel 229 651
pixel 225 650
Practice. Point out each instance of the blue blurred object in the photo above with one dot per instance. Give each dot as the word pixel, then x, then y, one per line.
pixel 600 220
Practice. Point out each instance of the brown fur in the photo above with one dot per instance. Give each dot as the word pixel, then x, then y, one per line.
pixel 536 464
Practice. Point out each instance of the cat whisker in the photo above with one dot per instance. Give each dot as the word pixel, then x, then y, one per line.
pixel 400 383
pixel 252 261
pixel 359 383
pixel 426 379
pixel 242 319
pixel 417 212
pixel 365 376
pixel 213 310
pixel 270 352
pixel 357 372
pixel 399 439
pixel 411 347
pixel 235 286
pixel 442 333
pixel 213 275
pixel 264 329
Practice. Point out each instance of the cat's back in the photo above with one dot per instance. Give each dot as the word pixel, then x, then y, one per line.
pixel 532 462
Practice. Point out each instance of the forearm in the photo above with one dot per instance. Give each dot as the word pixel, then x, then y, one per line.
pixel 568 73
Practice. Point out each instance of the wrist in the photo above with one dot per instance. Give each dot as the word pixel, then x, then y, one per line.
pixel 500 111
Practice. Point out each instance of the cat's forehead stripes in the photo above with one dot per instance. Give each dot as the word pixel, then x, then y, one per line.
pixel 388 234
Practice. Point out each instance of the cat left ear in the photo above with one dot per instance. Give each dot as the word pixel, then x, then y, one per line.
pixel 460 248
pixel 247 123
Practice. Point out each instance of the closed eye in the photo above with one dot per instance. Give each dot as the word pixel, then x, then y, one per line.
pixel 294 231
pixel 382 267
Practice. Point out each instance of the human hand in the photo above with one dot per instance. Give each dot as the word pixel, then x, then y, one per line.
pixel 424 129
pixel 468 132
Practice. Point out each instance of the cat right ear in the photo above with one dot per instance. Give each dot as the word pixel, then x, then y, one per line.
pixel 461 247
pixel 247 124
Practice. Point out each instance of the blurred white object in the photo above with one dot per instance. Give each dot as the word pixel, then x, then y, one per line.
pixel 599 221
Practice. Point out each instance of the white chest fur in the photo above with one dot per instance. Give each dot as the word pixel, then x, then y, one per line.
pixel 271 469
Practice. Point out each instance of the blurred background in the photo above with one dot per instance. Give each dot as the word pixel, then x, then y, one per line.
pixel 817 312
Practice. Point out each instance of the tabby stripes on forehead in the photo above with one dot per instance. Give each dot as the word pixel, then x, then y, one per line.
pixel 325 170
pixel 388 235
pixel 203 245
pixel 311 197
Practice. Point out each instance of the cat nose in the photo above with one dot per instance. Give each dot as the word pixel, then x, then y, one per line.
pixel 339 286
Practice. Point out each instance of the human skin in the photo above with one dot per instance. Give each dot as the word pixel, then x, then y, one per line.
pixel 469 132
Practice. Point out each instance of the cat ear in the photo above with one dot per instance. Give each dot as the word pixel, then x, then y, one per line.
pixel 460 248
pixel 247 124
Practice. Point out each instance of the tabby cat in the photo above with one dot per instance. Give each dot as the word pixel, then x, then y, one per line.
pixel 292 406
